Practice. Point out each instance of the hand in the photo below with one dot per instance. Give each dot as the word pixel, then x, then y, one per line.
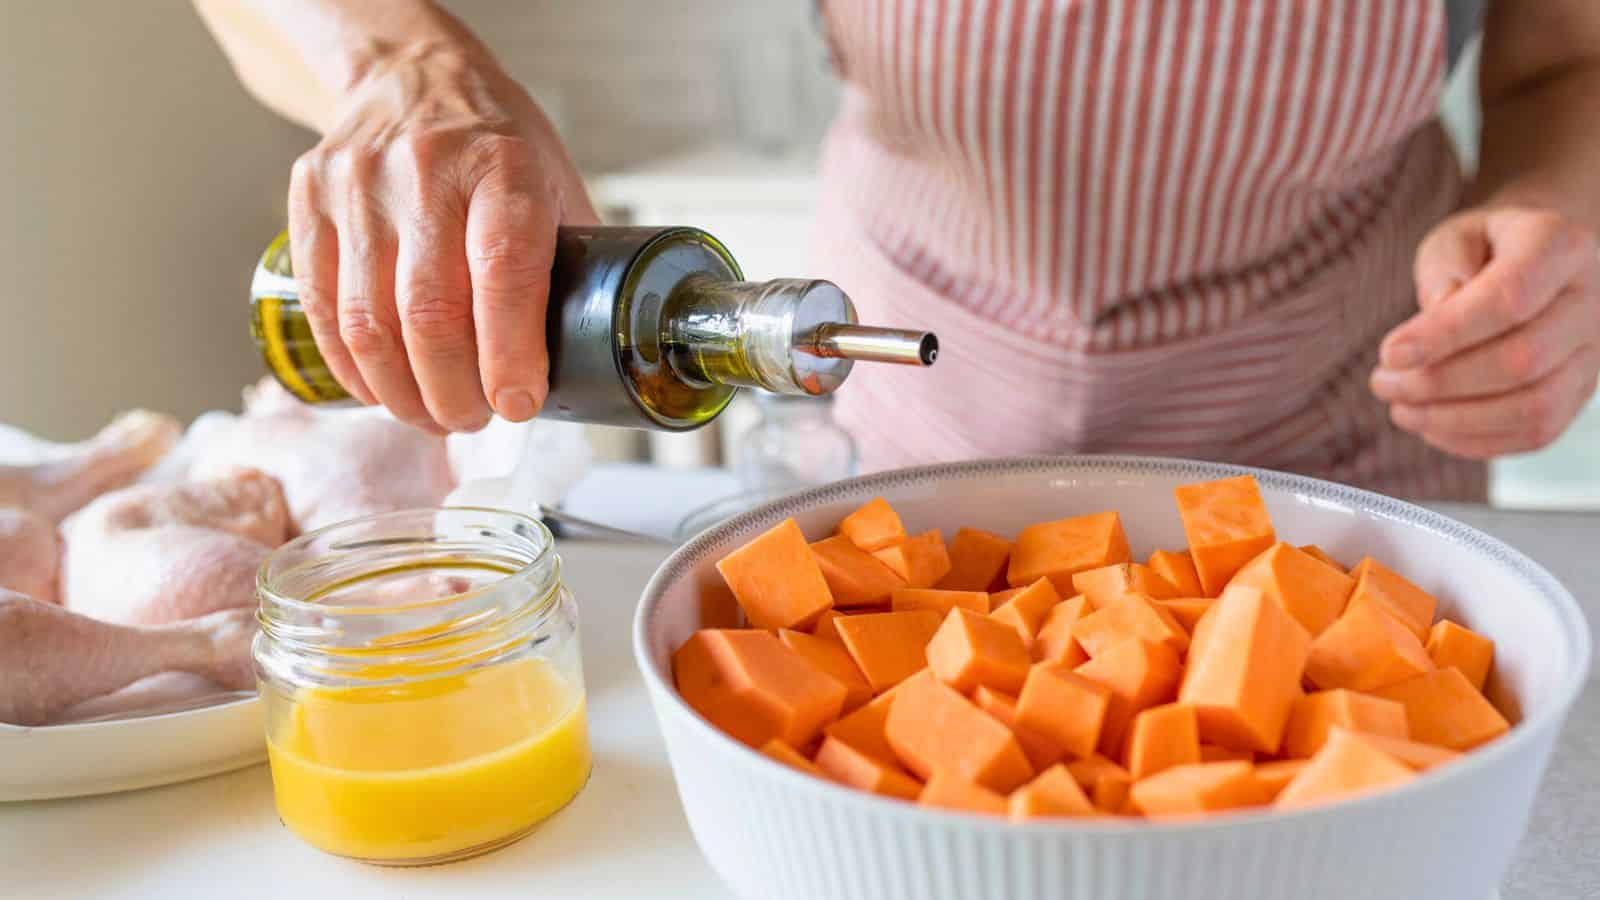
pixel 1506 349
pixel 422 229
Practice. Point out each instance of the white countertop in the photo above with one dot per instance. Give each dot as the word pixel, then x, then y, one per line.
pixel 625 835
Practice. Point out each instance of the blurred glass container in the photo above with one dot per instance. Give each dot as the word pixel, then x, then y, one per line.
pixel 794 445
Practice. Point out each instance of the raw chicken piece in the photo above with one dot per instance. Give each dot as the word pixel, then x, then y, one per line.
pixel 167 692
pixel 333 464
pixel 53 480
pixel 30 554
pixel 55 659
pixel 151 554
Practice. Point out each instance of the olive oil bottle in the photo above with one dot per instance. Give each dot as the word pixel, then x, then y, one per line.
pixel 647 328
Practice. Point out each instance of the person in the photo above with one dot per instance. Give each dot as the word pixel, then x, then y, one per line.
pixel 1222 229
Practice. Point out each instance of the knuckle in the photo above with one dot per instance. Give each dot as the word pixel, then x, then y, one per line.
pixel 1514 296
pixel 1521 358
pixel 363 333
pixel 502 258
pixel 437 318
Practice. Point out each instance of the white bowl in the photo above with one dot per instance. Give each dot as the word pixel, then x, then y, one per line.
pixel 772 832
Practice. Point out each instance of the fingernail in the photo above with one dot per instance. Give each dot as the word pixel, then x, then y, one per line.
pixel 1403 354
pixel 1409 417
pixel 1384 382
pixel 514 405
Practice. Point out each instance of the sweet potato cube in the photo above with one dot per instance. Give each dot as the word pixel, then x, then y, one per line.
pixel 1025 609
pixel 789 756
pixel 1130 616
pixel 1187 610
pixel 1315 715
pixel 1089 770
pixel 1052 793
pixel 1061 549
pixel 864 729
pixel 851 767
pixel 855 577
pixel 1244 670
pixel 1063 706
pixel 1309 589
pixel 873 526
pixel 1054 641
pixel 938 600
pixel 825 628
pixel 1177 567
pixel 920 560
pixel 971 649
pixel 951 791
pixel 1275 776
pixel 1386 589
pixel 1219 753
pixel 1450 644
pixel 933 729
pixel 1042 752
pixel 1140 674
pixel 1110 795
pixel 751 686
pixel 888 647
pixel 832 660
pixel 1227 525
pixel 1107 584
pixel 776 579
pixel 977 559
pixel 1347 765
pixel 1197 788
pixel 1364 650
pixel 1444 709
pixel 1318 553
pixel 1162 737
pixel 1415 754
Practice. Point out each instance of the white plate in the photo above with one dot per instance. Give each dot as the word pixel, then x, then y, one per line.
pixel 126 754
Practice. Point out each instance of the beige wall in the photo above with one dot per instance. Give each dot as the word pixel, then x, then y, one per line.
pixel 139 181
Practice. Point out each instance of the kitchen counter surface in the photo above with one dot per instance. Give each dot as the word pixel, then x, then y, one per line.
pixel 625 835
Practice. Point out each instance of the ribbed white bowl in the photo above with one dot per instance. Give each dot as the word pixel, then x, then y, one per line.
pixel 774 833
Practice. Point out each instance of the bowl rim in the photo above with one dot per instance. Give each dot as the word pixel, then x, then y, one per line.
pixel 1552 716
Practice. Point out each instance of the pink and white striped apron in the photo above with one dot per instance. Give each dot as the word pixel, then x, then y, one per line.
pixel 1174 227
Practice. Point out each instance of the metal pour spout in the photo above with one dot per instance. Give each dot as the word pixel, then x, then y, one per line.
pixel 868 343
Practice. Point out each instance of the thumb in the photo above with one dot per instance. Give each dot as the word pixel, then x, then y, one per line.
pixel 1450 256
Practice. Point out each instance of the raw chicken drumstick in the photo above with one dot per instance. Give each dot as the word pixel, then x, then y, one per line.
pixel 151 554
pixel 52 480
pixel 54 659
pixel 30 554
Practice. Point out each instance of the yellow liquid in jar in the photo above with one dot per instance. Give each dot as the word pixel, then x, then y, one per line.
pixel 433 770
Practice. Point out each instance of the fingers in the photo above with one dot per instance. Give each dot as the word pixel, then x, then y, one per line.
pixel 1534 255
pixel 1448 258
pixel 314 247
pixel 434 300
pixel 510 243
pixel 1517 421
pixel 1523 356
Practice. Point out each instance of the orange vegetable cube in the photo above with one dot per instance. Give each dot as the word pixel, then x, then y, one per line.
pixel 1187 610
pixel 1347 766
pixel 789 756
pixel 1140 674
pixel 1061 549
pixel 951 791
pixel 1110 795
pixel 1108 584
pixel 1318 553
pixel 1444 709
pixel 940 601
pixel 1162 737
pixel 1275 776
pixel 933 729
pixel 1415 754
pixel 1089 770
pixel 1218 753
pixel 1052 793
pixel 1130 616
pixel 776 579
pixel 1311 591
pixel 1025 609
pixel 1389 591
pixel 970 649
pixel 1450 644
pixel 1054 641
pixel 1227 525
pixel 1177 567
pixel 873 526
pixel 851 767
pixel 1041 751
pixel 1244 670
pixel 826 629
pixel 832 660
pixel 1063 706
pixel 855 577
pixel 920 560
pixel 1364 650
pixel 1197 788
pixel 977 559
pixel 888 647
pixel 751 686
pixel 1316 714
pixel 865 728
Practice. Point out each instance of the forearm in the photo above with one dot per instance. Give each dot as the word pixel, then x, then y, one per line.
pixel 300 57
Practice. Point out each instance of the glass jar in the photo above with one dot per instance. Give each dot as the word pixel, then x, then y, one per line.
pixel 795 445
pixel 421 681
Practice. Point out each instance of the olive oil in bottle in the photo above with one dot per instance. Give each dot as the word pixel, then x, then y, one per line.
pixel 646 328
